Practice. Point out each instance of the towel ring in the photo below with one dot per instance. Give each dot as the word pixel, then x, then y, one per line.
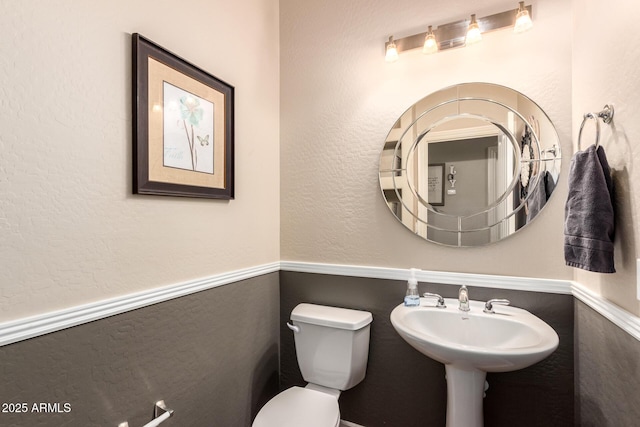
pixel 606 115
pixel 553 150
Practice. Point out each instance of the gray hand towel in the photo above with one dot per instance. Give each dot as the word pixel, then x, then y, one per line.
pixel 589 216
pixel 540 194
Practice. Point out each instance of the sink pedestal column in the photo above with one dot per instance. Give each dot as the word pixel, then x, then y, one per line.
pixel 465 392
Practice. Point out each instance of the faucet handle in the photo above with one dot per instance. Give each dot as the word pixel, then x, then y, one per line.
pixel 488 307
pixel 440 303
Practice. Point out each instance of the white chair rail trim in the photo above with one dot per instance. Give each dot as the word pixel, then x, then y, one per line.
pixel 445 277
pixel 30 327
pixel 618 316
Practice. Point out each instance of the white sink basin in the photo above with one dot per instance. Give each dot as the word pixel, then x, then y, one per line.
pixel 509 339
pixel 472 343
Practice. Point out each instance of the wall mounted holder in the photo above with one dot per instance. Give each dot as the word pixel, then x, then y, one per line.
pixel 160 413
pixel 607 117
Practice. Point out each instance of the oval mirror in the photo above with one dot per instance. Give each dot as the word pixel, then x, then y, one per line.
pixel 470 164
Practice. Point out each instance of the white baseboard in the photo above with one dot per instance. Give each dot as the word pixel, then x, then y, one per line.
pixel 30 327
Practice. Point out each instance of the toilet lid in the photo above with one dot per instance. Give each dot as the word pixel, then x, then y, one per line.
pixel 298 407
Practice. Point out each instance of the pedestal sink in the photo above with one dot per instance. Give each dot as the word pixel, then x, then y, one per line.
pixel 472 343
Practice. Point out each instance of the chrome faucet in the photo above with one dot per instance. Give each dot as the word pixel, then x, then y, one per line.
pixel 463 297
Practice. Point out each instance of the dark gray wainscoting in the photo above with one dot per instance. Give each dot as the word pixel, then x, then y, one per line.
pixel 212 356
pixel 403 388
pixel 607 372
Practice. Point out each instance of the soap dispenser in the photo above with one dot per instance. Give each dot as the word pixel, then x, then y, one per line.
pixel 412 299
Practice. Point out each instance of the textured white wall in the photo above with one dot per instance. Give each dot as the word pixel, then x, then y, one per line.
pixel 339 99
pixel 71 232
pixel 606 54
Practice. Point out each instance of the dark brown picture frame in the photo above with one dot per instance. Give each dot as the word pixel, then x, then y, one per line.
pixel 156 72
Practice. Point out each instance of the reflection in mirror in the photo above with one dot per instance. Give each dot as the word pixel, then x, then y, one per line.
pixel 470 165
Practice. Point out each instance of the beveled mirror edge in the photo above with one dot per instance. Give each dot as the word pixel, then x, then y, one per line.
pixel 540 158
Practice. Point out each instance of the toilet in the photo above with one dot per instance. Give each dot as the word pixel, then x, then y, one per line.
pixel 332 347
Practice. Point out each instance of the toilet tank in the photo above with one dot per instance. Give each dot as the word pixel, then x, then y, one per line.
pixel 332 344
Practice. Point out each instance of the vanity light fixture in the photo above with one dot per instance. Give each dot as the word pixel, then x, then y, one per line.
pixel 430 42
pixel 455 34
pixel 392 51
pixel 523 20
pixel 474 35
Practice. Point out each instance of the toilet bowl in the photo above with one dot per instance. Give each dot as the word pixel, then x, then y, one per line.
pixel 332 348
pixel 300 407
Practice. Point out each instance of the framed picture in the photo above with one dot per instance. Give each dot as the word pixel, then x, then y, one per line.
pixel 435 194
pixel 183 126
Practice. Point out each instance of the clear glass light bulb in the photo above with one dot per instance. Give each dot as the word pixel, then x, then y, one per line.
pixel 523 20
pixel 474 34
pixel 392 51
pixel 430 43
